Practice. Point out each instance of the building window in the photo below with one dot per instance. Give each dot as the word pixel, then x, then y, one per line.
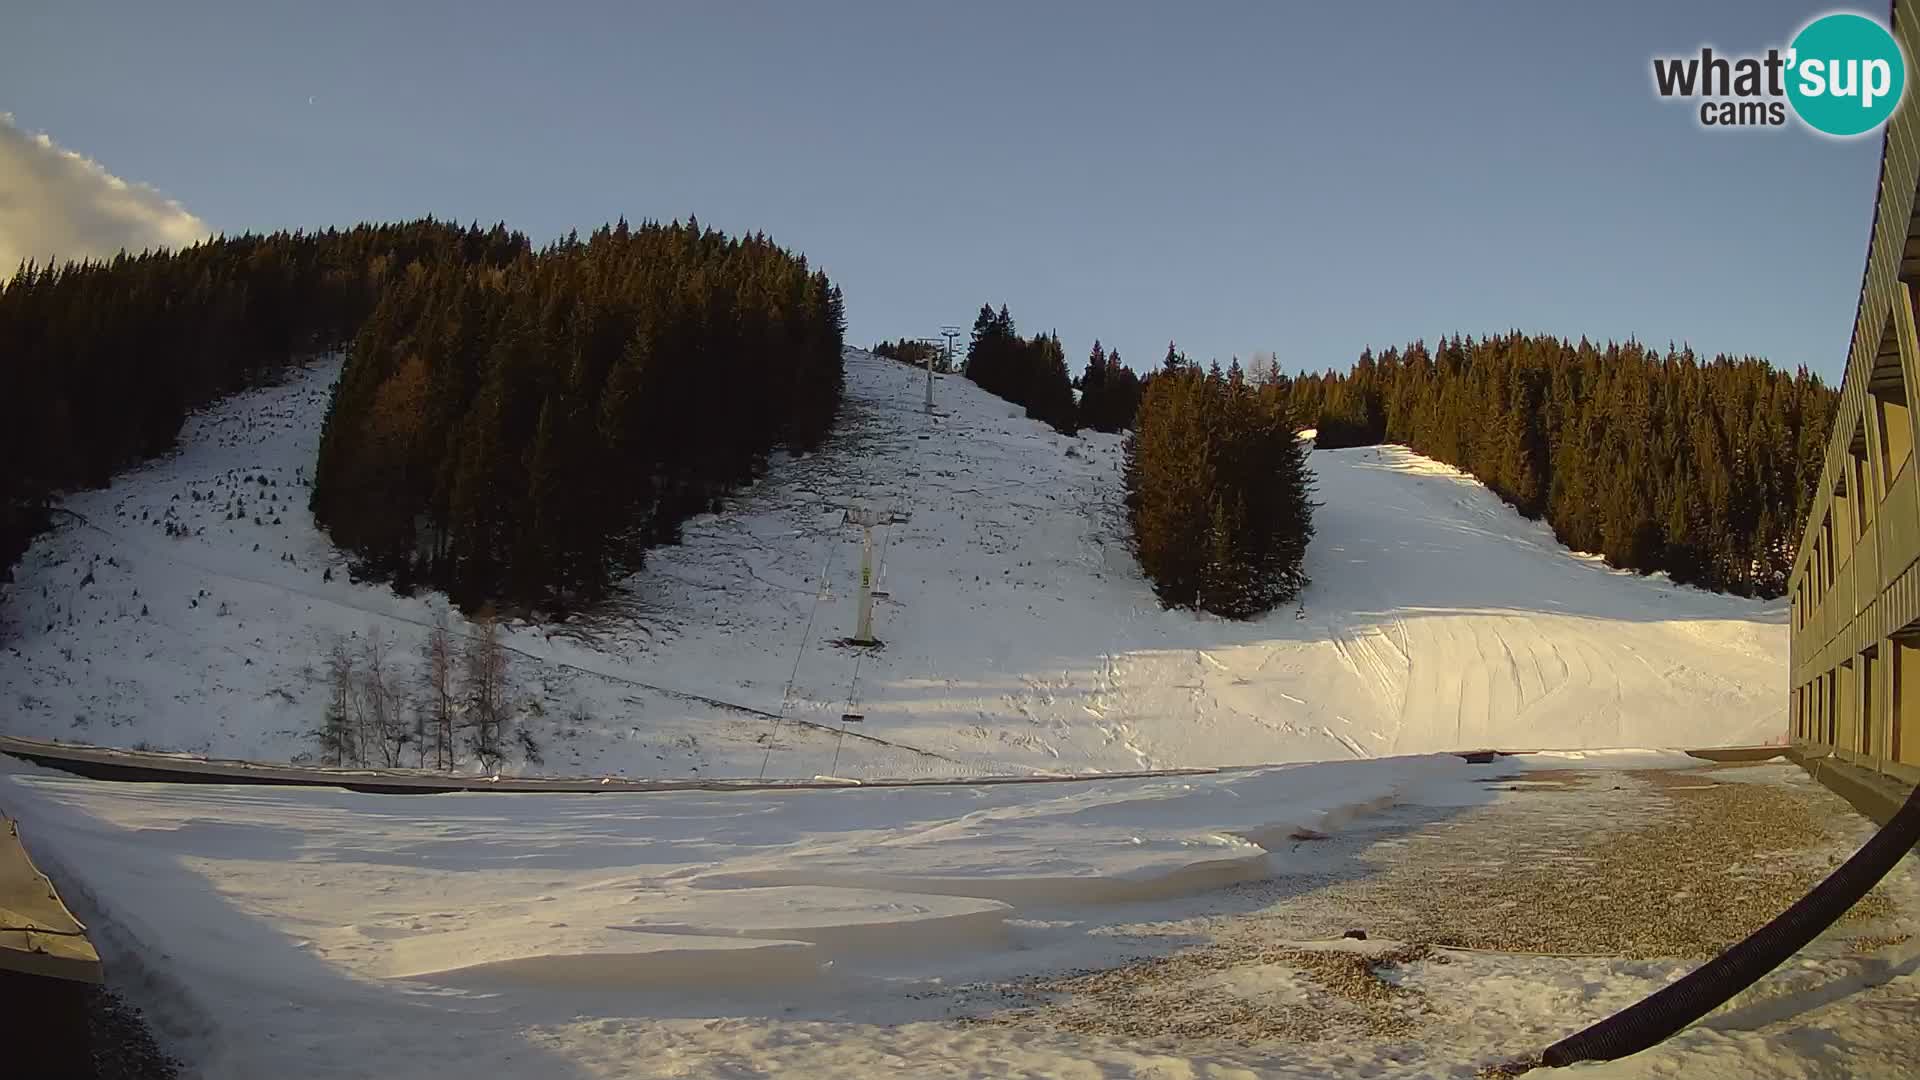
pixel 1828 707
pixel 1844 517
pixel 1869 701
pixel 1896 431
pixel 1903 726
pixel 1826 553
pixel 1846 717
pixel 1860 483
pixel 1887 386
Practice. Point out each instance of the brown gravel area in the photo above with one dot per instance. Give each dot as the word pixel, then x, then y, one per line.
pixel 1179 998
pixel 123 1047
pixel 1640 865
pixel 1634 865
pixel 1867 943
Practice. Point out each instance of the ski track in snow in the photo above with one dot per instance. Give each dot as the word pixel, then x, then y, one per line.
pixel 1020 636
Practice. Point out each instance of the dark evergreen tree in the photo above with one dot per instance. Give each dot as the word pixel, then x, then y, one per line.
pixel 1122 396
pixel 1092 385
pixel 1218 493
pixel 1049 392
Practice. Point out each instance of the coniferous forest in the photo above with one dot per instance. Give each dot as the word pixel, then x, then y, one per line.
pixel 518 425
pixel 1217 490
pixel 1031 372
pixel 510 425
pixel 525 432
pixel 913 353
pixel 101 361
pixel 1658 461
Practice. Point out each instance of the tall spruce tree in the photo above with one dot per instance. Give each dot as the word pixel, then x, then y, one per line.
pixel 1122 395
pixel 1092 385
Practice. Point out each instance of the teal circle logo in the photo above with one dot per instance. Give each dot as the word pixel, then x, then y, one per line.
pixel 1845 74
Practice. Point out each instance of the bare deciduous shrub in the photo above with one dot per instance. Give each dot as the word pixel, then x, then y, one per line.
pixel 487 692
pixel 438 698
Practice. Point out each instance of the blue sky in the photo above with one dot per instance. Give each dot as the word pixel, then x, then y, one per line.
pixel 1237 176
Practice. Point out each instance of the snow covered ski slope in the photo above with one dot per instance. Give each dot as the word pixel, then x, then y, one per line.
pixel 1019 635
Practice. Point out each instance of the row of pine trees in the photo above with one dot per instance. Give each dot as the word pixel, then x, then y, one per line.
pixel 1659 461
pixel 522 433
pixel 1031 372
pixel 914 353
pixel 101 361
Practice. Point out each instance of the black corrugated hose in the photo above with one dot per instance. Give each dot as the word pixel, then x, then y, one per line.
pixel 1707 988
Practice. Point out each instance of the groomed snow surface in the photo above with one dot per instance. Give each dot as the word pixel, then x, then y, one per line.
pixel 1019 635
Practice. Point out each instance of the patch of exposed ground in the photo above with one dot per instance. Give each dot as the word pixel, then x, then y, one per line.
pixel 123 1046
pixel 1298 995
pixel 1867 943
pixel 1638 865
pixel 1644 865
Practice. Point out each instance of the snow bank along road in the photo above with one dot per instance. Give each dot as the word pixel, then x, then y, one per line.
pixel 319 933
pixel 188 606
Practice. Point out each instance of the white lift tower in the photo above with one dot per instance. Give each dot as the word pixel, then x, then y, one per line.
pixel 950 333
pixel 868 520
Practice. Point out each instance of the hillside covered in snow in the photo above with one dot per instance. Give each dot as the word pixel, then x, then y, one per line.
pixel 191 605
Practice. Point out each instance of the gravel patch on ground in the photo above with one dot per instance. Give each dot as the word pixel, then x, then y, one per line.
pixel 1867 943
pixel 1636 865
pixel 123 1048
pixel 1222 992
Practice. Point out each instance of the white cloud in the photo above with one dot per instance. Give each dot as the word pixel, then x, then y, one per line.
pixel 54 202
